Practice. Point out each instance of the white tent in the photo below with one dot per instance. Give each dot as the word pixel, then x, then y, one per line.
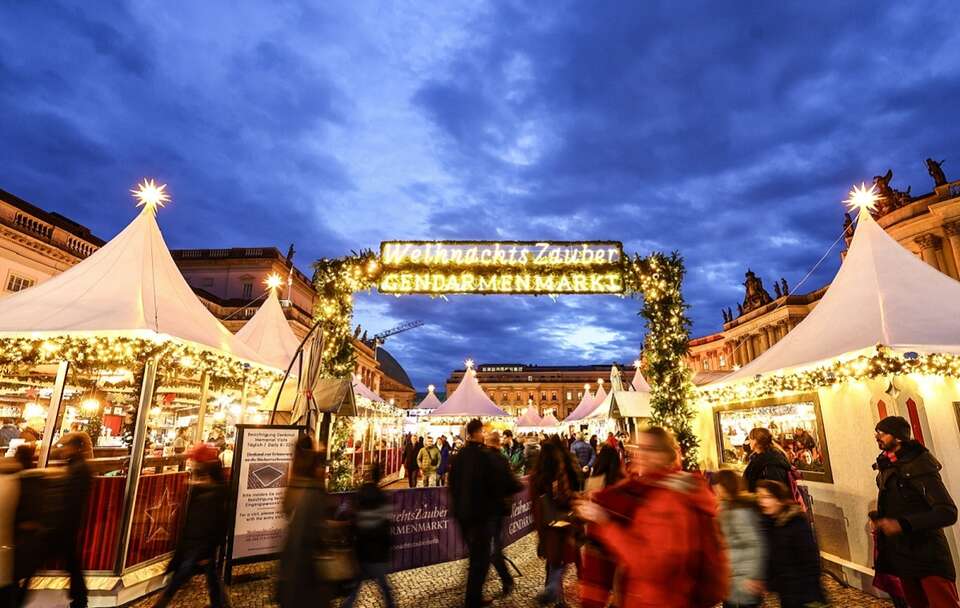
pixel 622 402
pixel 431 401
pixel 587 402
pixel 549 422
pixel 269 334
pixel 468 399
pixel 882 294
pixel 362 390
pixel 639 383
pixel 129 287
pixel 530 418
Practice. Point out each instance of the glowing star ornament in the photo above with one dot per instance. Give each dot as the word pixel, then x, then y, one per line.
pixel 862 198
pixel 468 363
pixel 149 195
pixel 273 281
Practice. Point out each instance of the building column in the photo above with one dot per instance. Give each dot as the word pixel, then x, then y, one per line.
pixel 751 353
pixel 953 236
pixel 764 341
pixel 929 243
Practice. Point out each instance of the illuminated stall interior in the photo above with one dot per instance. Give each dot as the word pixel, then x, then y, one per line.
pixel 884 340
pixel 119 348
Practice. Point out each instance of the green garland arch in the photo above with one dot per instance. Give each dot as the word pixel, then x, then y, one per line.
pixel 657 278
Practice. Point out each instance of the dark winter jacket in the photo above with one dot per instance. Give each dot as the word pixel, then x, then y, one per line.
pixel 585 454
pixel 504 483
pixel 793 558
pixel 76 493
pixel 444 459
pixel 771 465
pixel 305 539
pixel 371 524
pixel 912 492
pixel 204 525
pixel 410 453
pixel 479 484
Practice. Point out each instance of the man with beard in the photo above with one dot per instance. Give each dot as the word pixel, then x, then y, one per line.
pixel 913 507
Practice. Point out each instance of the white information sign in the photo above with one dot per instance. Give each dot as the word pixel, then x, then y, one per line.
pixel 261 479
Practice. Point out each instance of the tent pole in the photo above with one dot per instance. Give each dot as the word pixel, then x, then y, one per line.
pixel 299 353
pixel 202 408
pixel 53 414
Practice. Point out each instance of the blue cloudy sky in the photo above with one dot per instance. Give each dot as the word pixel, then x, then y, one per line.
pixel 729 131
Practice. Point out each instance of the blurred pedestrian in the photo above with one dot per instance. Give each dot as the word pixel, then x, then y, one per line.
pixel 504 484
pixel 9 499
pixel 428 459
pixel 531 451
pixel 668 517
pixel 793 558
pixel 913 508
pixel 410 454
pixel 203 531
pixel 746 547
pixel 596 574
pixel 766 460
pixel 552 485
pixel 585 454
pixel 594 443
pixel 607 470
pixel 476 498
pixel 308 509
pixel 8 431
pixel 513 452
pixel 372 536
pixel 444 465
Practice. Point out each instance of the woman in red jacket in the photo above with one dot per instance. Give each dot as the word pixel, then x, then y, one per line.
pixel 656 527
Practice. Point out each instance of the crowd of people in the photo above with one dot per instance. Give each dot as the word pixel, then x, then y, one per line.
pixel 638 530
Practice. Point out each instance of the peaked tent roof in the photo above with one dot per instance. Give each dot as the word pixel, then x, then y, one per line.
pixel 639 383
pixel 130 285
pixel 530 418
pixel 549 421
pixel 269 334
pixel 468 399
pixel 587 402
pixel 431 401
pixel 882 294
pixel 362 390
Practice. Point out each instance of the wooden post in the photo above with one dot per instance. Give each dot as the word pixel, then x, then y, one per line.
pixel 202 410
pixel 53 414
pixel 136 458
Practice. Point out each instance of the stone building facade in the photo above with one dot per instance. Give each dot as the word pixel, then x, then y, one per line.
pixel 555 389
pixel 36 244
pixel 928 225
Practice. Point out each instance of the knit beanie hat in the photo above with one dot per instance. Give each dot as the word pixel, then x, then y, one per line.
pixel 896 426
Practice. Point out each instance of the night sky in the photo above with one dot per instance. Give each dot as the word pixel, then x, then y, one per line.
pixel 729 131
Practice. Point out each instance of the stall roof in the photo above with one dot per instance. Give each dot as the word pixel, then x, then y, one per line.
pixel 587 402
pixel 431 401
pixel 639 383
pixel 622 404
pixel 362 390
pixel 530 418
pixel 269 334
pixel 549 421
pixel 882 294
pixel 130 286
pixel 468 399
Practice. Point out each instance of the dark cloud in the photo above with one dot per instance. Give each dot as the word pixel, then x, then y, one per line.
pixel 727 132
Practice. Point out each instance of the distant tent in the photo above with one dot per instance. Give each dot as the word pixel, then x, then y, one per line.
pixel 269 334
pixel 587 402
pixel 549 422
pixel 530 419
pixel 468 399
pixel 431 401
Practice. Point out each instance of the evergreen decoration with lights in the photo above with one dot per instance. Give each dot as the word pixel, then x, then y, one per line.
pixel 657 278
pixel 340 467
pixel 883 362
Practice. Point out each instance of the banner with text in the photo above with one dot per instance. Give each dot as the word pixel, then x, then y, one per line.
pixel 425 533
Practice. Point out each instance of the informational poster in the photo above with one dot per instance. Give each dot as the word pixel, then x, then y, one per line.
pixel 261 467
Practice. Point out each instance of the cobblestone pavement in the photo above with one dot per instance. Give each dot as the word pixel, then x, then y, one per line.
pixel 441 586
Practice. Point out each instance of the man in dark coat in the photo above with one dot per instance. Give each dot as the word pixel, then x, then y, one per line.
pixel 913 507
pixel 410 453
pixel 204 528
pixel 477 494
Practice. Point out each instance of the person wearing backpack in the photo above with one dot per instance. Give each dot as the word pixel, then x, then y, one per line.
pixel 766 461
pixel 793 558
pixel 662 531
pixel 913 508
pixel 746 548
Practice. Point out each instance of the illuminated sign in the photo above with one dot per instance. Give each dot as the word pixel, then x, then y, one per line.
pixel 486 267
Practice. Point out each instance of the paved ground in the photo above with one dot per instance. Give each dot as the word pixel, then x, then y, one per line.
pixel 440 586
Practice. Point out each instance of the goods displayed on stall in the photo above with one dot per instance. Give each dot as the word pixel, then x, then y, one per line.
pixel 883 340
pixel 119 348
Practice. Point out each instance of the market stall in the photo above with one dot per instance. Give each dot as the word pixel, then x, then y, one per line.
pixel 882 341
pixel 119 347
pixel 622 409
pixel 466 402
pixel 530 421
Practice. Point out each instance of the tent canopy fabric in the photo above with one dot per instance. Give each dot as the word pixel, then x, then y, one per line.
pixel 549 421
pixel 430 402
pixel 129 286
pixel 583 408
pixel 468 399
pixel 530 418
pixel 639 383
pixel 269 334
pixel 882 294
pixel 622 404
pixel 362 390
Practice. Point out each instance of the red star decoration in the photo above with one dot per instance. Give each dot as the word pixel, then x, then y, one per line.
pixel 161 516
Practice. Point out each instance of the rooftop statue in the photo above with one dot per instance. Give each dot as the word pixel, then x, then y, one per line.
pixel 935 169
pixel 755 296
